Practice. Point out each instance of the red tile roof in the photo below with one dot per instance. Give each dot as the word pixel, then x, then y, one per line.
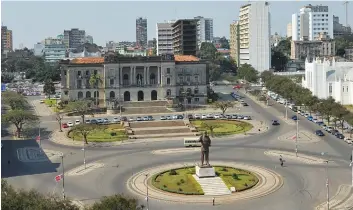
pixel 185 58
pixel 88 60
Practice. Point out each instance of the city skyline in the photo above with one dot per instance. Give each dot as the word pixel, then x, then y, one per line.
pixel 119 24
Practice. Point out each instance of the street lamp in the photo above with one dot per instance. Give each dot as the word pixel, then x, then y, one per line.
pixel 286 106
pixel 84 154
pixel 327 183
pixel 351 165
pixel 147 191
pixel 63 175
pixel 297 135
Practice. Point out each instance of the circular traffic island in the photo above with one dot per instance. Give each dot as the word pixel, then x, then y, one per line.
pixel 222 127
pixel 178 182
pixel 182 181
pixel 103 133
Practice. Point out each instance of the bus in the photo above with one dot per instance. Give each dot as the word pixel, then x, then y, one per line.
pixel 192 142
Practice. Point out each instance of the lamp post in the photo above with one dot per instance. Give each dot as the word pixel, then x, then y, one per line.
pixel 351 165
pixel 147 191
pixel 63 171
pixel 286 106
pixel 84 154
pixel 327 183
pixel 297 136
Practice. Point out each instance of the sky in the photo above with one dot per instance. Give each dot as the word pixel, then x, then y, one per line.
pixel 32 22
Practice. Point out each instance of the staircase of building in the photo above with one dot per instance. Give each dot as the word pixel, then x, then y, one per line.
pixel 160 129
pixel 213 186
pixel 140 107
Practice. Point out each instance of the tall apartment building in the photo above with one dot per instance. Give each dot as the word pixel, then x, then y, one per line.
pixel 74 38
pixel 204 30
pixel 185 37
pixel 254 32
pixel 310 22
pixel 339 29
pixel 54 50
pixel 164 38
pixel 89 39
pixel 6 40
pixel 234 41
pixel 289 29
pixel 141 32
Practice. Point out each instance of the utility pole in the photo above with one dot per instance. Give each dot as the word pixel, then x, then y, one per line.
pixel 351 165
pixel 327 187
pixel 63 171
pixel 286 110
pixel 147 192
pixel 84 154
pixel 346 6
pixel 40 139
pixel 297 136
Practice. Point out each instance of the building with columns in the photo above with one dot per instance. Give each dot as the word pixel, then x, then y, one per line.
pixel 325 78
pixel 183 78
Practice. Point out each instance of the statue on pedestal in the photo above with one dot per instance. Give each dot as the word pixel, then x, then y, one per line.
pixel 205 145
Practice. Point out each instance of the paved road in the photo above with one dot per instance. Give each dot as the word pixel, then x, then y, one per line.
pixel 304 186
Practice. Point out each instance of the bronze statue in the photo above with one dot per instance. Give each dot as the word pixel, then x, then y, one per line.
pixel 205 144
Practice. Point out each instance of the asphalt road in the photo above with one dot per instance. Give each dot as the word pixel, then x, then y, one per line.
pixel 304 185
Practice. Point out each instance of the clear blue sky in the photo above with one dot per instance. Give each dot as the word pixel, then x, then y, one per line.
pixel 31 22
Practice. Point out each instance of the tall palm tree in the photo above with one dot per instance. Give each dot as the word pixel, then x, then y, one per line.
pixel 94 81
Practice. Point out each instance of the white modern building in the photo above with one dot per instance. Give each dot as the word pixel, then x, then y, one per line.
pixel 38 49
pixel 54 50
pixel 325 78
pixel 204 30
pixel 254 32
pixel 164 38
pixel 310 22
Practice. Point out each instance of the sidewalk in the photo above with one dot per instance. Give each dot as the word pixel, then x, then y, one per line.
pixel 41 109
pixel 61 138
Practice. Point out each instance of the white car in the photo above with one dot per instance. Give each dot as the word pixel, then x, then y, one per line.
pixel 175 117
pixel 70 124
pixel 116 119
pixel 203 116
pixel 100 120
pixel 41 101
pixel 247 118
pixel 315 120
pixel 88 121
pixel 77 122
pixel 348 140
pixel 131 119
pixel 169 118
pixel 217 116
pixel 105 120
pixel 210 116
pixel 197 116
pixel 163 118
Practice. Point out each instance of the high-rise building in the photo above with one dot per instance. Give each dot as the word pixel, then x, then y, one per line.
pixel 310 22
pixel 289 29
pixel 185 37
pixel 89 39
pixel 234 41
pixel 74 38
pixel 254 32
pixel 164 38
pixel 141 32
pixel 6 40
pixel 204 30
pixel 54 50
pixel 339 29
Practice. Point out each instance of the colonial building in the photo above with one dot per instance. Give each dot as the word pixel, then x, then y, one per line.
pixel 327 78
pixel 135 79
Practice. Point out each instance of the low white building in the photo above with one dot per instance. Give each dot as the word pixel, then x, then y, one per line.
pixel 327 78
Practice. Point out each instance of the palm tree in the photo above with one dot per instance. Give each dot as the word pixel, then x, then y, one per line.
pixel 94 81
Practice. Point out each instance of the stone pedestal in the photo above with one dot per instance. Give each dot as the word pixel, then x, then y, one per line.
pixel 205 171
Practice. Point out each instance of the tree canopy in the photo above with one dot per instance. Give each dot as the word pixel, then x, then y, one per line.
pixel 343 43
pixel 247 72
pixel 49 88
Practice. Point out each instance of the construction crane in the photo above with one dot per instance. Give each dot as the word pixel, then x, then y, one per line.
pixel 346 6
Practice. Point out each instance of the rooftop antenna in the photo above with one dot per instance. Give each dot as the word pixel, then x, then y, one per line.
pixel 346 6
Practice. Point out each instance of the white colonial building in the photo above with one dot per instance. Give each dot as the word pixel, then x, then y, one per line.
pixel 327 78
pixel 136 79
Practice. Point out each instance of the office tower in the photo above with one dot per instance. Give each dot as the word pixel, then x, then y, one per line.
pixel 164 38
pixel 204 30
pixel 74 38
pixel 234 41
pixel 185 37
pixel 141 32
pixel 6 39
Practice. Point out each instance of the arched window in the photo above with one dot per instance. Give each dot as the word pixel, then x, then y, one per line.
pixel 80 95
pixel 88 94
pixel 112 94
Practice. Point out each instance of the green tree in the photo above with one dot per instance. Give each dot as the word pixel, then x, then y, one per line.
pixel 95 80
pixel 223 105
pixel 18 118
pixel 279 60
pixel 14 100
pixel 214 72
pixel 207 51
pixel 340 113
pixel 120 202
pixel 84 130
pixel 327 107
pixel 210 127
pixel 247 72
pixel 81 107
pixel 12 199
pixel 224 43
pixel 49 88
pixel 343 43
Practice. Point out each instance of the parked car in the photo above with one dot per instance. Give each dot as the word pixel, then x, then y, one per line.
pixel 315 120
pixel 197 116
pixel 275 122
pixel 244 104
pixel 228 116
pixel 340 136
pixel 169 118
pixel 175 117
pixel 94 121
pixel 116 120
pixel 190 116
pixel 70 124
pixel 240 117
pixel 123 119
pixel 310 118
pixel 162 118
pixel 294 117
pixel 247 118
pixel 203 116
pixel 150 118
pixel 77 122
pixel 131 119
pixel 105 120
pixel 319 133
pixel 145 119
pixel 329 129
pixel 216 116
pixel 139 119
pixel 234 116
pixel 99 120
pixel 209 116
pixel 88 121
pixel 41 101
pixel 180 117
pixel 348 140
pixel 64 125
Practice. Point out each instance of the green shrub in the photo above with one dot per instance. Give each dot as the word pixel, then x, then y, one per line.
pixel 113 133
pixel 178 183
pixel 182 181
pixel 217 173
pixel 180 190
pixel 224 169
pixel 172 172
pixel 235 176
pixel 165 186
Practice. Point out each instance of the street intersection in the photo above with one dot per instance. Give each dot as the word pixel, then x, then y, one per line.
pixel 110 168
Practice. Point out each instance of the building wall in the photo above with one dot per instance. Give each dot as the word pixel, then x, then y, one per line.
pixel 234 41
pixel 254 21
pixel 300 50
pixel 6 39
pixel 289 30
pixel 204 30
pixel 185 37
pixel 164 38
pixel 166 78
pixel 141 32
pixel 74 38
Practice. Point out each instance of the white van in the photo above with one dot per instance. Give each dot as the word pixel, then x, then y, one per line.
pixel 192 142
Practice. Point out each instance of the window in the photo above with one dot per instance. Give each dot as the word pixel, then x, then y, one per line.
pixel 188 78
pixel 65 73
pixel 66 92
pixel 196 91
pixel 111 81
pixel 347 89
pixel 79 73
pixel 330 88
pixel 343 89
pixel 87 73
pixel 326 15
pixel 95 72
pixel 197 99
pixel 168 81
pixel 168 70
pixel 181 80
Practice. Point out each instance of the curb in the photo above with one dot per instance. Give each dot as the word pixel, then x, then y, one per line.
pixel 288 137
pixel 269 182
pixel 311 160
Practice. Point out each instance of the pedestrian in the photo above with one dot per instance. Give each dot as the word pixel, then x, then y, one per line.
pixel 281 160
pixel 213 200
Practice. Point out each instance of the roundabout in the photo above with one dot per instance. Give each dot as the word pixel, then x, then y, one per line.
pixel 268 182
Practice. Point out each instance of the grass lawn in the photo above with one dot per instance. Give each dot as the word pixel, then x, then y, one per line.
pixel 223 127
pixel 182 182
pixel 103 134
pixel 242 180
pixel 349 107
pixel 50 102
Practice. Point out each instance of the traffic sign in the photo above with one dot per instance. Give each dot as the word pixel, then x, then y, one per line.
pixel 38 138
pixel 58 178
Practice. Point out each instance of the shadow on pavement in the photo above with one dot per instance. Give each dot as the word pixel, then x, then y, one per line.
pixel 24 157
